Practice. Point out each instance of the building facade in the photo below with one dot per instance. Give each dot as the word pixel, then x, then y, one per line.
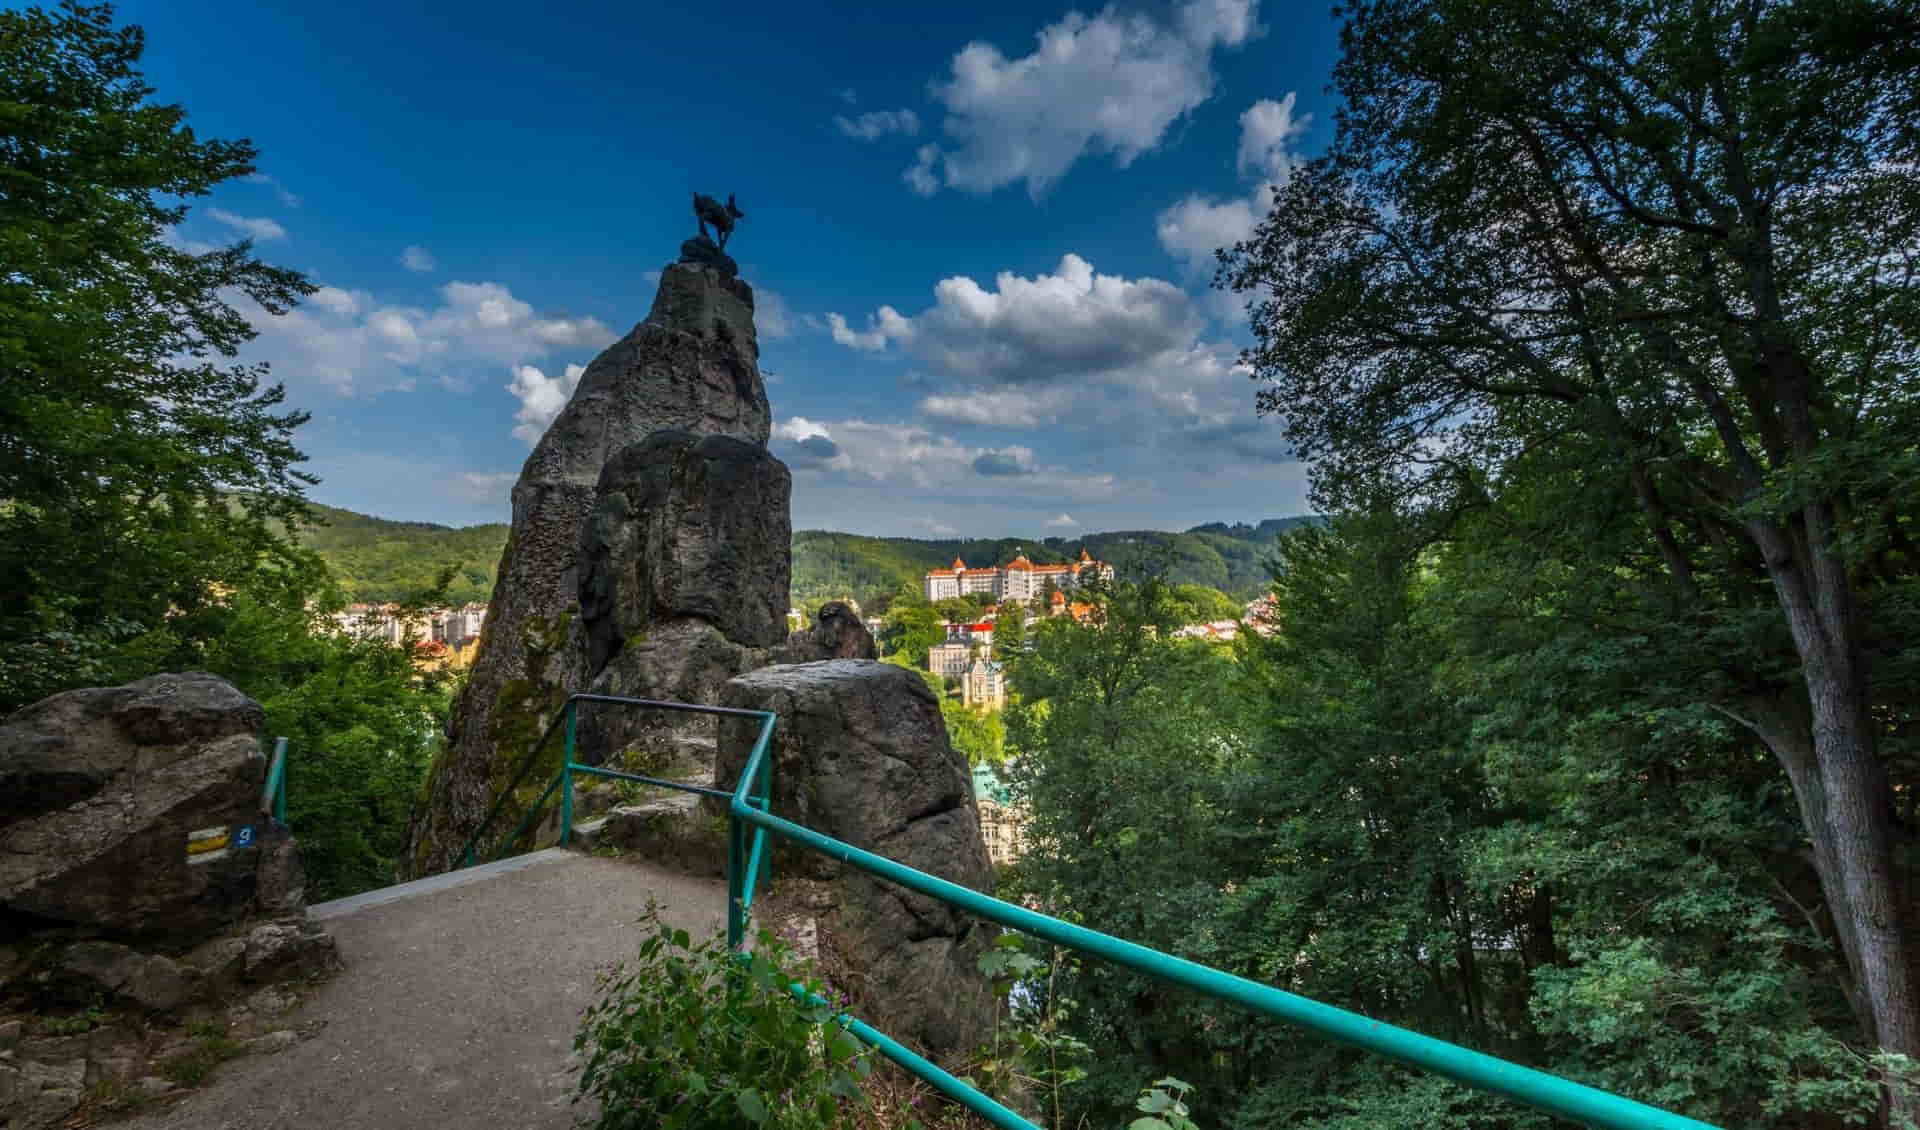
pixel 984 685
pixel 1019 579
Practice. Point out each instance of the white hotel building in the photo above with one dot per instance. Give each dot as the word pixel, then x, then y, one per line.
pixel 1019 579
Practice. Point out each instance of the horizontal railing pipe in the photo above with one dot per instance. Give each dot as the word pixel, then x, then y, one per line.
pixel 1475 1069
pixel 682 786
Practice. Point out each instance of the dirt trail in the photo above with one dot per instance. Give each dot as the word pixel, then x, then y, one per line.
pixel 459 1003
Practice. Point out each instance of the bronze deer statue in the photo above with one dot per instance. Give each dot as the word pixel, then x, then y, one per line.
pixel 707 210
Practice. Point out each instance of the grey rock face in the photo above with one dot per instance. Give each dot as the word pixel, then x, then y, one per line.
pixel 837 633
pixel 686 526
pixel 691 366
pixel 104 789
pixel 672 831
pixel 149 980
pixel 679 660
pixel 862 754
pixel 279 950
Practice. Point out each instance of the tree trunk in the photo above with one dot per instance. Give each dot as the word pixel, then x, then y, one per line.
pixel 1846 799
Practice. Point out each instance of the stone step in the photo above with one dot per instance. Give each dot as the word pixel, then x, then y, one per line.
pixel 475 874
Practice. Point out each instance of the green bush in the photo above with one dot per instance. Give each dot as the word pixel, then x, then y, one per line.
pixel 689 1036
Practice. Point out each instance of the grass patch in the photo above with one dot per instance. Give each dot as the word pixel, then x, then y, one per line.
pixel 211 1048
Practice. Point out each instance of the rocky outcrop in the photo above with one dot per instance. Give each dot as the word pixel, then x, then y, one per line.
pixel 685 563
pixel 837 633
pixel 861 754
pixel 691 366
pixel 135 811
pixel 686 527
pixel 135 862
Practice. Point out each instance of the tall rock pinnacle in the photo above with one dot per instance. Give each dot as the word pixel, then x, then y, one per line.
pixel 691 366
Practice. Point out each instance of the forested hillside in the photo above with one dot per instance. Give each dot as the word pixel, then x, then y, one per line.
pixel 376 559
pixel 1229 558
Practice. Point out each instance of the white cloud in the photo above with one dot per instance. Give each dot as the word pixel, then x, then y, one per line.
pixel 253 228
pixel 921 176
pixel 1112 83
pixel 878 123
pixel 1074 321
pixel 417 258
pixel 934 526
pixel 336 301
pixel 541 398
pixel 1192 229
pixel 352 344
pixel 772 317
pixel 1000 407
pixel 650 276
pixel 453 384
pixel 1061 522
pixel 280 190
pixel 797 428
pixel 885 325
pixel 1268 132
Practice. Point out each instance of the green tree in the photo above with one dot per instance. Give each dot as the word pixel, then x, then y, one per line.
pixel 979 734
pixel 1666 250
pixel 913 627
pixel 1009 630
pixel 138 476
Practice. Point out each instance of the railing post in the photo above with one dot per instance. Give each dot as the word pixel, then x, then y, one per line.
pixel 280 794
pixel 736 865
pixel 566 782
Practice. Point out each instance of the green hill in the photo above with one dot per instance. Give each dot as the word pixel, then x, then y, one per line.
pixel 375 559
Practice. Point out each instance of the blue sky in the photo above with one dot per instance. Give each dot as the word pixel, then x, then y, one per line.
pixel 979 234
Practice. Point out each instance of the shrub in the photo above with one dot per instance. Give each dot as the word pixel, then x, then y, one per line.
pixel 691 1035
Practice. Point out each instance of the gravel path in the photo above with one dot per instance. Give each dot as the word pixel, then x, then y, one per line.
pixel 458 1005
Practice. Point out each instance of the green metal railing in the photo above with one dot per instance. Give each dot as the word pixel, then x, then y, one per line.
pixel 273 795
pixel 751 820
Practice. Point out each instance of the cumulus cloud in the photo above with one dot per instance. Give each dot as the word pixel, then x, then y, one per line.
pixel 883 326
pixel 336 301
pixel 1061 522
pixel 280 190
pixel 1012 461
pixel 351 343
pixel 1072 322
pixel 1192 229
pixel 252 227
pixel 1112 83
pixel 417 258
pixel 541 398
pixel 876 124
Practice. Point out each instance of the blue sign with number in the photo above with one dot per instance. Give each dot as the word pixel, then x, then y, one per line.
pixel 243 836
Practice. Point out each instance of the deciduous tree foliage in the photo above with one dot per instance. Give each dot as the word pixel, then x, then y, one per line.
pixel 139 474
pixel 1444 797
pixel 1665 251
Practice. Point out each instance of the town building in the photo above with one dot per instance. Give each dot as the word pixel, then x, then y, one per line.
pixel 984 685
pixel 1019 579
pixel 1002 823
pixel 950 657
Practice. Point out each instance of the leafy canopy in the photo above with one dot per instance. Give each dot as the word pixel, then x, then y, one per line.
pixel 140 471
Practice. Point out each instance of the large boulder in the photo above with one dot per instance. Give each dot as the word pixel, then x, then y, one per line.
pixel 122 809
pixel 861 754
pixel 692 365
pixel 837 633
pixel 685 525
